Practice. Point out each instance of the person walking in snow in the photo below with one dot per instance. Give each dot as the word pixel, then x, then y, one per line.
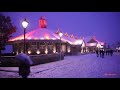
pixel 24 69
pixel 111 52
pixel 106 51
pixel 97 52
pixel 24 64
pixel 102 52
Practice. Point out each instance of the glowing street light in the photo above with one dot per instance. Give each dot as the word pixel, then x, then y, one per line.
pixel 60 35
pixel 24 24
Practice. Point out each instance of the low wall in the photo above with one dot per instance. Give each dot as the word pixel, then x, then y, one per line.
pixel 9 61
pixel 41 59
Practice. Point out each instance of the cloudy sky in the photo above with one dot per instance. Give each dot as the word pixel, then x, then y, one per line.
pixel 104 25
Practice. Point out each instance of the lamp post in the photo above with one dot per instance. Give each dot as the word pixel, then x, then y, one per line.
pixel 60 34
pixel 24 24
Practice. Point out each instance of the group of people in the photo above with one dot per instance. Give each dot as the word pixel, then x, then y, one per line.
pixel 102 52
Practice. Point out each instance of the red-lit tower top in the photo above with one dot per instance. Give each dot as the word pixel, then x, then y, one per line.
pixel 43 22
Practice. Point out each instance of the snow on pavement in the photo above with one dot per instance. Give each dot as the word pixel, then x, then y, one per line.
pixel 82 66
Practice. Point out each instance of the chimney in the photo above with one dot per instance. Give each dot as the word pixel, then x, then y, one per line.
pixel 42 22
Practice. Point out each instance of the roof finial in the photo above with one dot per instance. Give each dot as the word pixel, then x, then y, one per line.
pixel 43 22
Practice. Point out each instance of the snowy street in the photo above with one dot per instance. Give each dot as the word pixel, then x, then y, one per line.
pixel 82 66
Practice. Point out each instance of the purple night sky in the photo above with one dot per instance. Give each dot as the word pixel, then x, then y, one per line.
pixel 104 25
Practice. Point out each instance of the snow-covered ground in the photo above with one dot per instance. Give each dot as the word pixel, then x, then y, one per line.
pixel 82 66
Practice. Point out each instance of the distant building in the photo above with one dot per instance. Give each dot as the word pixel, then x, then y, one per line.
pixel 94 44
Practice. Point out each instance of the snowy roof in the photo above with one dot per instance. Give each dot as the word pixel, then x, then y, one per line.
pixel 92 40
pixel 67 38
pixel 79 42
pixel 42 34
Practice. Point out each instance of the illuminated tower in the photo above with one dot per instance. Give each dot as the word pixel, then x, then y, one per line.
pixel 42 22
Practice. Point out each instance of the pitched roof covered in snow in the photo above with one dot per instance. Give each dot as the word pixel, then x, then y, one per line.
pixel 42 33
pixel 93 41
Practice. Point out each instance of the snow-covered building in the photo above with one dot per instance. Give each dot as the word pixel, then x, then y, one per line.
pixel 94 44
pixel 43 41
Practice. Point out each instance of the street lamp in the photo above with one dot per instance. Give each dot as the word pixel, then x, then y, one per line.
pixel 24 24
pixel 60 35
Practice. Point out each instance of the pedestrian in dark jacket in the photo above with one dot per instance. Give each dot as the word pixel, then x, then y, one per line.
pixel 97 52
pixel 24 69
pixel 103 53
pixel 111 52
pixel 100 52
pixel 106 51
pixel 24 64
